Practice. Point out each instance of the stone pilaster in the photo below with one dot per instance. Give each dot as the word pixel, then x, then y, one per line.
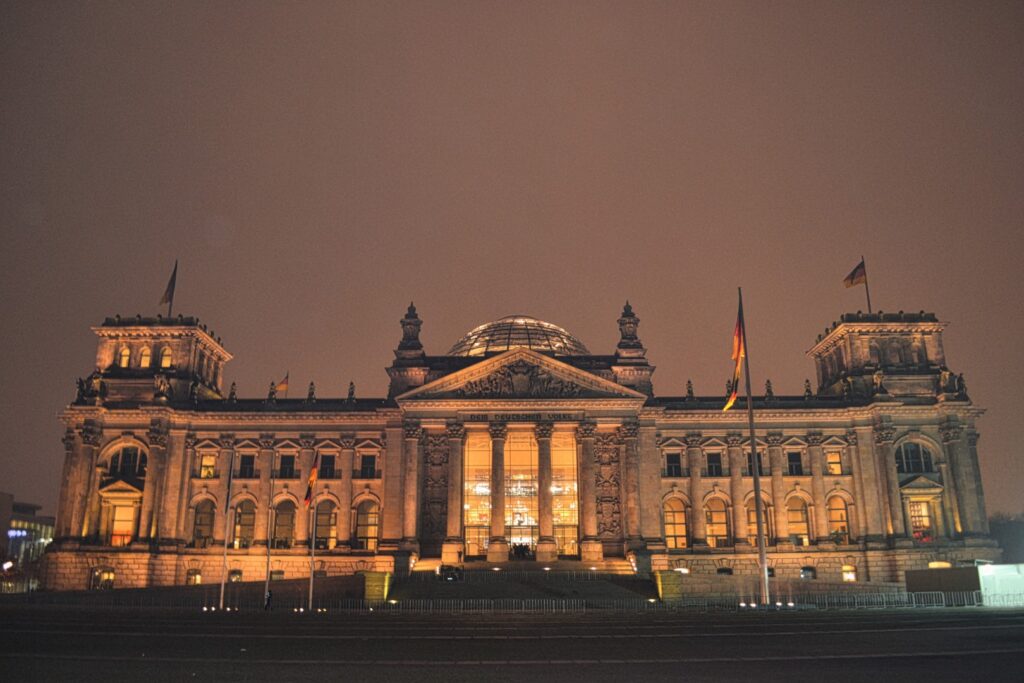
pixel 225 511
pixel 347 464
pixel 873 495
pixel 734 450
pixel 650 488
pixel 884 435
pixel 261 529
pixel 412 434
pixel 775 460
pixel 87 482
pixel 816 454
pixel 307 442
pixel 975 468
pixel 629 434
pixel 155 468
pixel 966 488
pixel 591 549
pixel 497 547
pixel 858 520
pixel 178 491
pixel 454 547
pixel 65 504
pixel 392 509
pixel 695 463
pixel 547 549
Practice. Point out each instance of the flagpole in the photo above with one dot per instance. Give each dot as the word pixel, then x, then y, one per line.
pixel 312 553
pixel 227 521
pixel 866 290
pixel 755 468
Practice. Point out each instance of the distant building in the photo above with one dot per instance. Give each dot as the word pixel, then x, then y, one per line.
pixel 517 442
pixel 25 535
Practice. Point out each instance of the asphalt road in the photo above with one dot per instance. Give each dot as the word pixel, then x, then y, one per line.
pixel 64 644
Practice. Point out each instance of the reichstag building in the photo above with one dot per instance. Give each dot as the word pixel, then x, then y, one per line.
pixel 518 442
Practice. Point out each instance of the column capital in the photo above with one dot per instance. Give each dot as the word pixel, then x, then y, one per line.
pixel 497 430
pixel 586 430
pixel 851 437
pixel 347 442
pixel 815 438
pixel 455 431
pixel 307 441
pixel 68 439
pixel 884 434
pixel 91 435
pixel 190 441
pixel 411 429
pixel 629 430
pixel 266 441
pixel 543 430
pixel 950 433
pixel 773 438
pixel 972 438
pixel 734 439
pixel 157 437
pixel 693 439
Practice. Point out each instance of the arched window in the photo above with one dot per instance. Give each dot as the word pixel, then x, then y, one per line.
pixel 165 357
pixel 245 524
pixel 124 357
pixel 913 458
pixel 675 523
pixel 367 519
pixel 717 523
pixel 838 520
pixel 127 462
pixel 766 518
pixel 284 524
pixel 326 525
pixel 193 577
pixel 202 527
pixel 799 522
pixel 145 357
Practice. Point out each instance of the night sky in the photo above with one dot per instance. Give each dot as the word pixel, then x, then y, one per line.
pixel 316 166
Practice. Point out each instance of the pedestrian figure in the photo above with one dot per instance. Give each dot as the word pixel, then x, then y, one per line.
pixel 266 600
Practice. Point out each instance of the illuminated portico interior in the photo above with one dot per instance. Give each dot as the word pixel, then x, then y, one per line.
pixel 519 444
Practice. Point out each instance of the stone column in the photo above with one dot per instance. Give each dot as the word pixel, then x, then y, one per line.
pixel 392 508
pixel 591 549
pixel 734 450
pixel 967 487
pixel 628 435
pixel 775 461
pixel 858 526
pixel 695 462
pixel 87 481
pixel 975 469
pixel 179 491
pixel 454 548
pixel 154 480
pixel 497 546
pixel 650 488
pixel 347 464
pixel 884 435
pixel 264 504
pixel 873 494
pixel 412 435
pixel 226 462
pixel 307 442
pixel 65 505
pixel 816 454
pixel 547 548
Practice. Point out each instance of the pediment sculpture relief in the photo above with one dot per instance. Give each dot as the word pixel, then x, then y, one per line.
pixel 520 380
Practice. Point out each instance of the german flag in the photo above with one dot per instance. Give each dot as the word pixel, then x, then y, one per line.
pixel 312 478
pixel 739 351
pixel 857 276
pixel 282 386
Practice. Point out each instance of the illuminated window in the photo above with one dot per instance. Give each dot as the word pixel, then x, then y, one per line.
pixel 913 458
pixel 838 520
pixel 849 573
pixel 521 489
pixel 717 523
pixel 124 357
pixel 808 573
pixel 921 521
pixel 245 524
pixel 326 525
pixel 122 525
pixel 714 461
pixel 284 524
pixel 202 526
pixel 145 357
pixel 235 576
pixel 207 466
pixel 939 564
pixel 766 519
pixel 367 525
pixel 675 524
pixel 477 492
pixel 794 460
pixel 193 577
pixel 102 579
pixel 165 357
pixel 833 463
pixel 673 464
pixel 565 509
pixel 799 523
pixel 277 575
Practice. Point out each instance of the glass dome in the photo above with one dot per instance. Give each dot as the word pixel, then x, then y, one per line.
pixel 515 331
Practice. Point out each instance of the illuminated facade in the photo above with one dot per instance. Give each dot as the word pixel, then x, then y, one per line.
pixel 518 443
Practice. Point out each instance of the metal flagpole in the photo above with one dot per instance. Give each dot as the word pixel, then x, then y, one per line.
pixel 312 553
pixel 227 521
pixel 866 290
pixel 755 468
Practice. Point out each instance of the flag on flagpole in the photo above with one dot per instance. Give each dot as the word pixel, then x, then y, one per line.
pixel 283 385
pixel 857 276
pixel 168 297
pixel 738 353
pixel 312 478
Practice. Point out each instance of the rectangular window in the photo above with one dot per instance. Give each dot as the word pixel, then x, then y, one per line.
pixel 833 463
pixel 326 469
pixel 246 466
pixel 921 521
pixel 208 466
pixel 760 464
pixel 565 512
pixel 367 466
pixel 673 464
pixel 123 525
pixel 796 465
pixel 476 492
pixel 714 464
pixel 287 468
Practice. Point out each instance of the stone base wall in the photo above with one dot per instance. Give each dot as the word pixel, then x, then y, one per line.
pixel 64 570
pixel 872 566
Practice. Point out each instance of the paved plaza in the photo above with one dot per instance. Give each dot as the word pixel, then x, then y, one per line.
pixel 60 643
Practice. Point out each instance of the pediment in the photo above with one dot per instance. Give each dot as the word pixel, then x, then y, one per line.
pixel 920 482
pixel 118 486
pixel 521 374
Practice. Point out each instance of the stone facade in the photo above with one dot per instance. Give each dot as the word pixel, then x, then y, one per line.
pixel 518 441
